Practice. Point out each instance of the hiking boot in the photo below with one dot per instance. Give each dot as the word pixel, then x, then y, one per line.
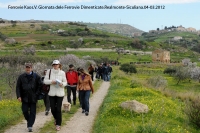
pixel 46 112
pixel 86 113
pixel 30 129
pixel 83 111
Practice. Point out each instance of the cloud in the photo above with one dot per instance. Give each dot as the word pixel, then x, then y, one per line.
pixel 36 2
pixel 153 2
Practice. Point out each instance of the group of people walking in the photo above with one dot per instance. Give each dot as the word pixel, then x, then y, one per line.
pixel 29 86
pixel 103 71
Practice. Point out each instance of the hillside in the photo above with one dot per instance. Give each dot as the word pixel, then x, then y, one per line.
pixel 122 29
pixel 59 36
pixel 50 36
pixel 172 39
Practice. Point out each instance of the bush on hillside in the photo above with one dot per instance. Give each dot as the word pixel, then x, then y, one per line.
pixel 192 111
pixel 157 81
pixel 2 36
pixel 30 50
pixel 169 71
pixel 128 68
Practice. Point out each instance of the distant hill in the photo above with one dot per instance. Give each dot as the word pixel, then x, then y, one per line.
pixel 122 29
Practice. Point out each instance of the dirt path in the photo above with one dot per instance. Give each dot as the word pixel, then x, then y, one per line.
pixel 79 123
pixel 40 120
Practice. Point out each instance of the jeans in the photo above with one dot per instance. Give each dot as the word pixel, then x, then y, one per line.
pixel 56 106
pixel 69 90
pixel 29 112
pixel 46 102
pixel 109 76
pixel 85 95
pixel 105 77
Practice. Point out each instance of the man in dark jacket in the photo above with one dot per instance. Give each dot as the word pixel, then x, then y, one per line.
pixel 27 89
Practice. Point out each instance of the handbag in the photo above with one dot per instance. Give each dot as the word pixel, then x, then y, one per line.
pixel 46 88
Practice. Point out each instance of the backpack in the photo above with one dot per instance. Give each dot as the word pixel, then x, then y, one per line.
pixel 46 88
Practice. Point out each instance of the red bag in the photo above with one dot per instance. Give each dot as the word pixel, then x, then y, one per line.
pixel 46 88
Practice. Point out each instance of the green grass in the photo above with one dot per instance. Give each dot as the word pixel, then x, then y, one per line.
pixel 165 113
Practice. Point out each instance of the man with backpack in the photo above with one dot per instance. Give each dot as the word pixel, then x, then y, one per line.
pixel 28 87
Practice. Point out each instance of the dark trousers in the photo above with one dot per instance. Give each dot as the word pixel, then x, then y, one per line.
pixel 69 90
pixel 92 75
pixel 100 76
pixel 56 106
pixel 85 95
pixel 46 102
pixel 79 98
pixel 29 112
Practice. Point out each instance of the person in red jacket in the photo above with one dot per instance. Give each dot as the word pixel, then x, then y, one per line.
pixel 72 79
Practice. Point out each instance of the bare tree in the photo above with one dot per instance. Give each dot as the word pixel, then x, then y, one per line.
pixel 72 59
pixel 9 77
pixel 195 73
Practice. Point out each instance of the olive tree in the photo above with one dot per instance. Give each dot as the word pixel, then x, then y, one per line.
pixel 182 73
pixel 195 73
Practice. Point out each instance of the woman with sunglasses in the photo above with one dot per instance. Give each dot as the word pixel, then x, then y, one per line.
pixel 57 83
pixel 84 87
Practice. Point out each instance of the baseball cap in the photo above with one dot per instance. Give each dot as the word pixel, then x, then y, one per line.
pixel 28 64
pixel 56 62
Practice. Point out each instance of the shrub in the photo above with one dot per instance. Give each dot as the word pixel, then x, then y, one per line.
pixel 157 81
pixel 30 50
pixel 169 71
pixel 192 111
pixel 128 68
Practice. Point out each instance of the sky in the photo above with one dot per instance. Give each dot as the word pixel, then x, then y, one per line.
pixel 173 12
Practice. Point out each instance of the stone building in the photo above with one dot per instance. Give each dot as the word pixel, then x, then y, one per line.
pixel 161 56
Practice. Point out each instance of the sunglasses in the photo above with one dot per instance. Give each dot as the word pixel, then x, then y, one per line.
pixel 55 64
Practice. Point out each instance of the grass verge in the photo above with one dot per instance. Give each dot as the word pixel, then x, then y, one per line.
pixel 165 114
